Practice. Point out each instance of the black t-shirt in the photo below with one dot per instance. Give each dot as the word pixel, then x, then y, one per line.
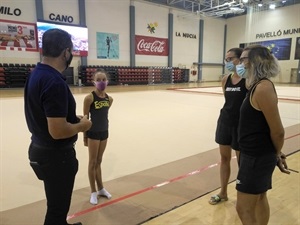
pixel 48 95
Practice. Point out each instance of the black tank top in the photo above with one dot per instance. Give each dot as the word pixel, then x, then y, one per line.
pixel 234 96
pixel 254 131
pixel 99 113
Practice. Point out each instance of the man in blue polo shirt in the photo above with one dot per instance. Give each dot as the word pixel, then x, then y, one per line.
pixel 50 111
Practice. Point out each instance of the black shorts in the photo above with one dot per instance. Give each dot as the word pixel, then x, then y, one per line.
pixel 227 135
pixel 255 173
pixel 101 135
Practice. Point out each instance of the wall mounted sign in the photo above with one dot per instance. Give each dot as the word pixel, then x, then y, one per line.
pixel 151 27
pixel 18 36
pixel 61 18
pixel 278 33
pixel 9 11
pixel 107 46
pixel 185 35
pixel 281 48
pixel 145 45
pixel 78 34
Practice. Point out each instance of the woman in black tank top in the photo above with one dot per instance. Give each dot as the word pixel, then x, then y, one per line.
pixel 96 106
pixel 261 136
pixel 234 91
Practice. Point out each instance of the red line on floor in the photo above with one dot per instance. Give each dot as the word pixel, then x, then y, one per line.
pixel 142 191
pixel 150 188
pixel 292 136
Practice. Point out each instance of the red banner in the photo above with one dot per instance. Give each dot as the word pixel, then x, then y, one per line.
pixel 18 36
pixel 145 45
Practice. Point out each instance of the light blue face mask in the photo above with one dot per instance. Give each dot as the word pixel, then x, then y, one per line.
pixel 230 66
pixel 241 70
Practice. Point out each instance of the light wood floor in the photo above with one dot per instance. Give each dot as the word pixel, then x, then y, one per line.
pixel 284 198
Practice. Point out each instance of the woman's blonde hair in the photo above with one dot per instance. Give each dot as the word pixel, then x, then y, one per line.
pixel 263 64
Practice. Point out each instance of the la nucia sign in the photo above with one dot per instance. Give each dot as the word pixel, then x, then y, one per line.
pixel 185 35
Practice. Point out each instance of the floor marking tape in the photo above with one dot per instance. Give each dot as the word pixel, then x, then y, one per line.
pixel 142 191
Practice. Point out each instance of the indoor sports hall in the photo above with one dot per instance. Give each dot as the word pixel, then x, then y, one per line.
pixel 161 163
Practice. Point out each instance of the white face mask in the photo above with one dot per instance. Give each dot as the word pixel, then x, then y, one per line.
pixel 241 70
pixel 230 66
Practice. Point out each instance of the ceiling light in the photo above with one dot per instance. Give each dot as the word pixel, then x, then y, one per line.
pixel 272 6
pixel 245 1
pixel 260 4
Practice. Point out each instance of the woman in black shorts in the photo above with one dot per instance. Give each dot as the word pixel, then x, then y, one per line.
pixel 261 136
pixel 234 90
pixel 96 105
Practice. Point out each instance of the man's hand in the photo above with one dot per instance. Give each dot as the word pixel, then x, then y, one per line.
pixel 85 123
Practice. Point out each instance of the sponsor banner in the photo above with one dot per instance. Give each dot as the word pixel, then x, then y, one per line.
pixel 145 45
pixel 281 48
pixel 18 36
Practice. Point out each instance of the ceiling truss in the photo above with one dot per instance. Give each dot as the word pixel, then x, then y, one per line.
pixel 220 8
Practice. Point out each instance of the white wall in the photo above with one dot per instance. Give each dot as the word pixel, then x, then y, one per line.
pixel 65 8
pixel 213 45
pixel 108 17
pixel 113 17
pixel 243 29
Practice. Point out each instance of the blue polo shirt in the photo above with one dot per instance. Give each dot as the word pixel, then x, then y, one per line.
pixel 48 95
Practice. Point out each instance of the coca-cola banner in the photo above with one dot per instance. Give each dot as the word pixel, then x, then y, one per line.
pixel 145 45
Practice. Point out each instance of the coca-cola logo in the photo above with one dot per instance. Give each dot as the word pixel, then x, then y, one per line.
pixel 156 46
pixel 151 46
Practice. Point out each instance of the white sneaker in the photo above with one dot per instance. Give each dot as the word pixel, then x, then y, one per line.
pixel 105 193
pixel 94 198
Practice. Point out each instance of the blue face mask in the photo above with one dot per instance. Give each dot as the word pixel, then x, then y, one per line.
pixel 230 66
pixel 241 70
